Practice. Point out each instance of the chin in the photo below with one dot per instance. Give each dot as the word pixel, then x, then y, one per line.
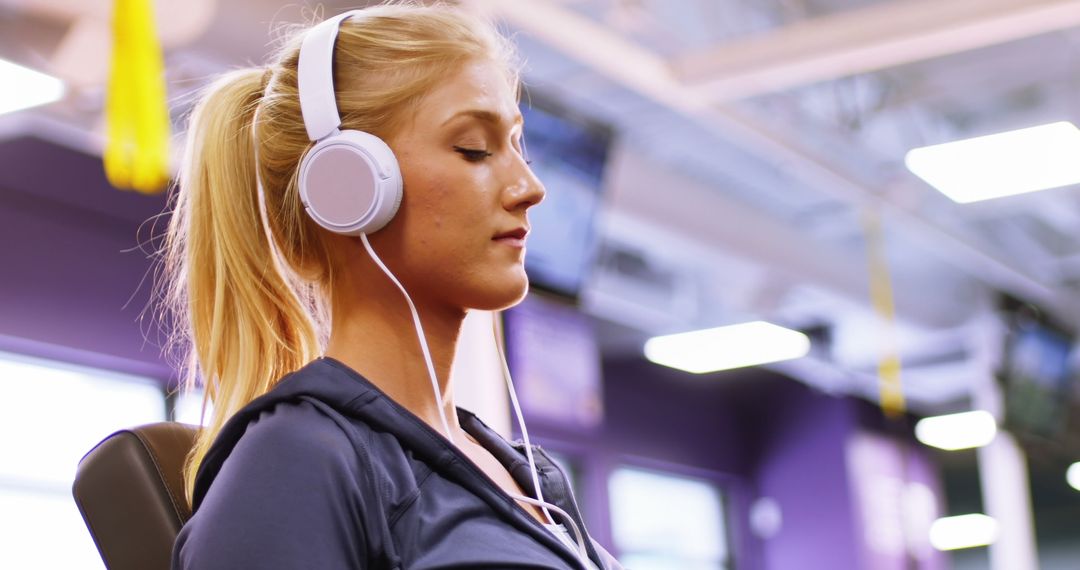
pixel 506 293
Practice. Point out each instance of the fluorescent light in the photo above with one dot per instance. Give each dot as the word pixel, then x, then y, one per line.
pixel 992 166
pixel 957 431
pixel 24 87
pixel 1073 476
pixel 723 348
pixel 964 531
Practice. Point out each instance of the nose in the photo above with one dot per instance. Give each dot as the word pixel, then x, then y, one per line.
pixel 523 190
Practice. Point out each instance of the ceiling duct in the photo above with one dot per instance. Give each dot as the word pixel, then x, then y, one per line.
pixel 632 287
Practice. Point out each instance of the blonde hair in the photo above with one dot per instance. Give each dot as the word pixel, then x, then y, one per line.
pixel 247 276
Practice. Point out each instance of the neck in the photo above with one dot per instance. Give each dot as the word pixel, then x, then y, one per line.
pixel 373 333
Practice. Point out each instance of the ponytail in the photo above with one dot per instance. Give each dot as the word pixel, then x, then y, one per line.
pixel 241 320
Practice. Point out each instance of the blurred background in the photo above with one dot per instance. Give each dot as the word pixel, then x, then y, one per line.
pixel 709 163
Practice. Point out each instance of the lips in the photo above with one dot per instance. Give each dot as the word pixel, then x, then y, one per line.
pixel 517 233
pixel 514 238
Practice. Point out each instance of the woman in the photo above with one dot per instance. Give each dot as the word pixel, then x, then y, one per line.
pixel 358 458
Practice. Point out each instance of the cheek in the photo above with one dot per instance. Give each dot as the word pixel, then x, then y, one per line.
pixel 446 210
pixel 451 202
pixel 423 196
pixel 428 210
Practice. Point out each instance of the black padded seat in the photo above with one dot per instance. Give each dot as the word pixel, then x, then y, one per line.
pixel 130 491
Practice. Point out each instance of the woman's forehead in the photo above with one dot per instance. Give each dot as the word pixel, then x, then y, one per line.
pixel 479 91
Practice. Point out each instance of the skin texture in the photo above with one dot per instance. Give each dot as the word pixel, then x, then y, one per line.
pixel 465 182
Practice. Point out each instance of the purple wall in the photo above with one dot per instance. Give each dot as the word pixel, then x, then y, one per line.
pixel 801 464
pixel 69 286
pixel 756 434
pixel 662 419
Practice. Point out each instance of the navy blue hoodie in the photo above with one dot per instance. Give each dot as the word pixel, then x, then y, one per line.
pixel 325 471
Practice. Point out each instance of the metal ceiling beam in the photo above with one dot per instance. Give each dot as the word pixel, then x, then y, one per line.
pixel 646 73
pixel 713 219
pixel 867 39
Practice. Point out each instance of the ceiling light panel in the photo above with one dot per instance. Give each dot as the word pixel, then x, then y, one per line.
pixel 963 531
pixel 24 87
pixel 1004 164
pixel 728 347
pixel 957 431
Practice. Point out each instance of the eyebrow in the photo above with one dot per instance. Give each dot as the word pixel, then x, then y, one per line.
pixel 483 115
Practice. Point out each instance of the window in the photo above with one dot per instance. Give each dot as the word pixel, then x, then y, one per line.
pixel 51 414
pixel 188 408
pixel 661 521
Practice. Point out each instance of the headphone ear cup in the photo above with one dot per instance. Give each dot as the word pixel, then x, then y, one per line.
pixel 350 183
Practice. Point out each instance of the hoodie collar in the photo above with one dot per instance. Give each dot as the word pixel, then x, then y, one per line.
pixel 347 392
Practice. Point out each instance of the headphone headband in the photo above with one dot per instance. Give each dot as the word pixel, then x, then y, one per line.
pixel 349 180
pixel 315 78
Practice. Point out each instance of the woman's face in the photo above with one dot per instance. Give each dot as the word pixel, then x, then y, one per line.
pixel 458 239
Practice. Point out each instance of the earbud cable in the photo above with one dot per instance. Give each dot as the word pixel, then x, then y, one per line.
pixel 539 500
pixel 419 334
pixel 581 550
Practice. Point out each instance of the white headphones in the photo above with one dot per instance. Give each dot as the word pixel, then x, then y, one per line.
pixel 350 182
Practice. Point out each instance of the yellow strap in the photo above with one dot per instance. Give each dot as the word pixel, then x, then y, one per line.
pixel 136 110
pixel 881 294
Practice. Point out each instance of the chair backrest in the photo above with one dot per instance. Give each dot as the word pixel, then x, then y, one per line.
pixel 130 491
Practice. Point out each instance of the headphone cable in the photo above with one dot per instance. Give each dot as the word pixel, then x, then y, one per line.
pixel 539 500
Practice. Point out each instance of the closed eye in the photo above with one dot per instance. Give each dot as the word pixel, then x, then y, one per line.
pixel 472 154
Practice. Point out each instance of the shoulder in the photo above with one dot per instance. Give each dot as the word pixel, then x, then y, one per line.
pixel 294 473
pixel 299 429
pixel 286 450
